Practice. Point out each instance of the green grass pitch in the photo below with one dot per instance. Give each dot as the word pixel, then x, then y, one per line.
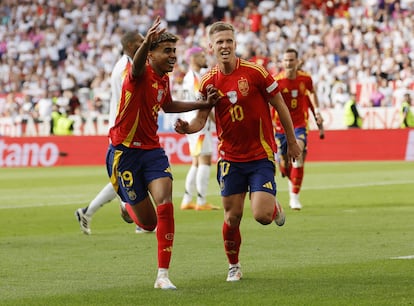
pixel 352 244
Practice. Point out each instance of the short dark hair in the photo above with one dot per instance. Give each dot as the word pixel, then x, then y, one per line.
pixel 292 50
pixel 128 37
pixel 163 37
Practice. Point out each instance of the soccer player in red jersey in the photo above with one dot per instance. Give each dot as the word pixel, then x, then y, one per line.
pixel 246 142
pixel 136 163
pixel 130 43
pixel 297 89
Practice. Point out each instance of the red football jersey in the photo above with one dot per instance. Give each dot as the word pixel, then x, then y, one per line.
pixel 243 120
pixel 136 123
pixel 295 94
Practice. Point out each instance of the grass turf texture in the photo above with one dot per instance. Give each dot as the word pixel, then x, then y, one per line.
pixel 336 251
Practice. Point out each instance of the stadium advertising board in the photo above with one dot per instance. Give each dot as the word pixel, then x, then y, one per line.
pixel 343 145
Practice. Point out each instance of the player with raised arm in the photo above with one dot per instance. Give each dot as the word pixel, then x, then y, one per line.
pixel 130 43
pixel 136 163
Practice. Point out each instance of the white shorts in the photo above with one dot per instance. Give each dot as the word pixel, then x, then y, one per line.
pixel 200 143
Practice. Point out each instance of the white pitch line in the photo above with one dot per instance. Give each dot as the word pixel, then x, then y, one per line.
pixel 64 200
pixel 358 185
pixel 403 257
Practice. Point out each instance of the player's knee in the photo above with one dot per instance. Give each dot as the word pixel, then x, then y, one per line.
pixel 233 220
pixel 149 227
pixel 263 219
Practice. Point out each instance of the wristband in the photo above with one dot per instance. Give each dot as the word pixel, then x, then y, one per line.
pixel 317 110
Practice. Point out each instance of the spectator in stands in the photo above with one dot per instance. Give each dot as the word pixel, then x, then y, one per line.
pixel 339 94
pixel 386 89
pixel 61 124
pixel 352 119
pixel 407 115
pixel 74 106
pixel 43 107
pixel 377 97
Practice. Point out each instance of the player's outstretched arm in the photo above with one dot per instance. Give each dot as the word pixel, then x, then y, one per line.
pixel 196 124
pixel 185 106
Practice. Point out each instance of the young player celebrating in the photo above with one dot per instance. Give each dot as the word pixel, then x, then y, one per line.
pixel 130 43
pixel 137 165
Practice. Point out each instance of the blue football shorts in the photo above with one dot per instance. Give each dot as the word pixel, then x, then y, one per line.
pixel 131 170
pixel 281 140
pixel 241 177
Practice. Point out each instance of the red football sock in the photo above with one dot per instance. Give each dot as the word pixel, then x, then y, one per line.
pixel 285 171
pixel 134 218
pixel 232 242
pixel 296 177
pixel 165 234
pixel 132 214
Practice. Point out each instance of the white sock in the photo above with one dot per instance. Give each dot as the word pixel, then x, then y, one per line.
pixel 106 195
pixel 202 179
pixel 190 183
pixel 292 195
pixel 163 272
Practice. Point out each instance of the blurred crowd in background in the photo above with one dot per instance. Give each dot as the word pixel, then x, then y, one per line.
pixel 59 54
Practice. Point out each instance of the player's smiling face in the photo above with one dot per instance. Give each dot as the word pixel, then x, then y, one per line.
pixel 163 58
pixel 223 45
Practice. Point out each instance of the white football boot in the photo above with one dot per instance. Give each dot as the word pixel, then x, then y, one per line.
pixel 83 221
pixel 235 273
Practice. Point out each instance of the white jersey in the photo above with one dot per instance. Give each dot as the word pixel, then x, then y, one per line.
pixel 200 143
pixel 191 84
pixel 117 78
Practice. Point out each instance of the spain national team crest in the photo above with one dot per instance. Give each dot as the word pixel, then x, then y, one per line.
pixel 243 86
pixel 232 95
pixel 131 194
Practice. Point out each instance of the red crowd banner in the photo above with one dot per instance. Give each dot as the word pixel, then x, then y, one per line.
pixel 338 145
